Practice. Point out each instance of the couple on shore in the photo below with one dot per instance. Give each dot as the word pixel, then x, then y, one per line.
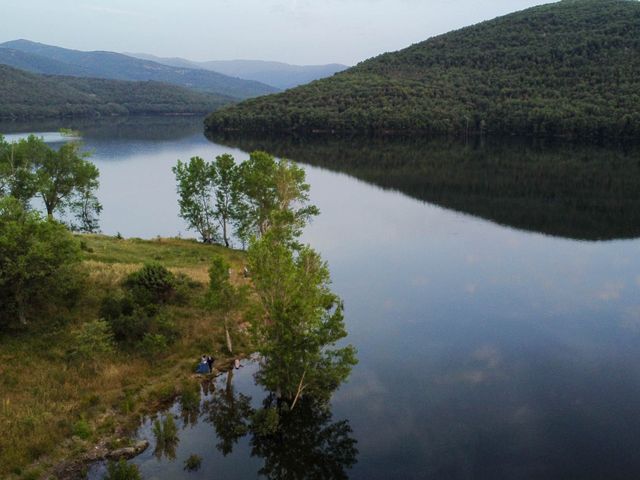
pixel 206 364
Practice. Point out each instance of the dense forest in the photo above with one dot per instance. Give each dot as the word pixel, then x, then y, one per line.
pixel 564 69
pixel 555 188
pixel 49 60
pixel 24 95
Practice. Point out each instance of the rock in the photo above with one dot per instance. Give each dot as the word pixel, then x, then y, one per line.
pixel 129 452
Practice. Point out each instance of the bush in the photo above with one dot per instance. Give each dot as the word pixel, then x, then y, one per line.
pixel 153 284
pixel 153 344
pixel 82 429
pixel 39 262
pixel 93 340
pixel 122 471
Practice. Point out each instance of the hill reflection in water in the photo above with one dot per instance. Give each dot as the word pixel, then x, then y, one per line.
pixel 564 190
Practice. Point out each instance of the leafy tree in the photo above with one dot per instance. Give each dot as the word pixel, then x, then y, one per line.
pixel 66 179
pixel 63 179
pixel 38 263
pixel 274 194
pixel 299 321
pixel 16 176
pixel 226 194
pixel 195 191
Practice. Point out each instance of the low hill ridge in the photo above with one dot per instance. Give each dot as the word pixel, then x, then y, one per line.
pixel 25 95
pixel 563 69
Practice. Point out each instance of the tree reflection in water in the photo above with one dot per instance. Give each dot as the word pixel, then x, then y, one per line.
pixel 303 442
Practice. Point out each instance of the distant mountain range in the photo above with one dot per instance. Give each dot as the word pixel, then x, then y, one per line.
pixel 45 59
pixel 25 95
pixel 570 68
pixel 277 74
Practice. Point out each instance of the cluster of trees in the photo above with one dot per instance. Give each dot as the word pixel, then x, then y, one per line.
pixel 63 180
pixel 220 199
pixel 296 320
pixel 39 257
pixel 565 69
pixel 26 95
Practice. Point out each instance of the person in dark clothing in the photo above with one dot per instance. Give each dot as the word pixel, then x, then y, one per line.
pixel 210 361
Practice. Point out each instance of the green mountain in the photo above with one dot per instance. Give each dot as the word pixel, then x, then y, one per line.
pixel 47 59
pixel 563 69
pixel 277 74
pixel 26 95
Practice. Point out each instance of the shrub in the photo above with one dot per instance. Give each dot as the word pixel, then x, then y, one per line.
pixel 122 471
pixel 38 264
pixel 153 284
pixel 82 429
pixel 93 340
pixel 153 344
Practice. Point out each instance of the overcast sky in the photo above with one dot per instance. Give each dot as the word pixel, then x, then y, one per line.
pixel 294 31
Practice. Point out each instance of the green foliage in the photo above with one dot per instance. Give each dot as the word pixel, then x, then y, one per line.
pixel 153 344
pixel 137 317
pixel 62 179
pixel 195 191
pixel 567 68
pixel 274 193
pixel 193 463
pixel 208 196
pixel 82 429
pixel 93 340
pixel 151 285
pixel 300 321
pixel 38 264
pixel 122 470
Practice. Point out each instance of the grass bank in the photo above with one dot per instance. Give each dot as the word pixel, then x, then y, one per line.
pixel 56 409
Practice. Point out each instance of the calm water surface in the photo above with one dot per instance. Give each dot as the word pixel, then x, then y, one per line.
pixel 485 351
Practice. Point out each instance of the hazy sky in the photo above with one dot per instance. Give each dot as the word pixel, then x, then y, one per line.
pixel 295 31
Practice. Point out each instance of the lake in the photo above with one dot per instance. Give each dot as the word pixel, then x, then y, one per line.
pixel 492 290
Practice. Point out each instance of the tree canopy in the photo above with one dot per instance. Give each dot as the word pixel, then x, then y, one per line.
pixel 64 180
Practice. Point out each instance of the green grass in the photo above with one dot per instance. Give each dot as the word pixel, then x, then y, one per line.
pixel 54 409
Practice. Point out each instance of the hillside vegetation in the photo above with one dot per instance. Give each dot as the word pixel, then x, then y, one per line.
pixel 50 60
pixel 24 95
pixel 568 68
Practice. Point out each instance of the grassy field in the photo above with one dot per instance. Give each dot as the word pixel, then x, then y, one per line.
pixel 54 408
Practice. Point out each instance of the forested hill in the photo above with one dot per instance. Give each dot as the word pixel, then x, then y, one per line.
pixel 47 59
pixel 569 68
pixel 25 95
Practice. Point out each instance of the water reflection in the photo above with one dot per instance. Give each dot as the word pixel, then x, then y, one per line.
pixel 581 192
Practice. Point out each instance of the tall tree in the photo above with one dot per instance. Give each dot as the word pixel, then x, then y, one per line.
pixel 299 321
pixel 63 179
pixel 195 192
pixel 273 193
pixel 226 193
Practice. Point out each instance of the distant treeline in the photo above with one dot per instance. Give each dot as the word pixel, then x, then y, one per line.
pixel 25 95
pixel 564 69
